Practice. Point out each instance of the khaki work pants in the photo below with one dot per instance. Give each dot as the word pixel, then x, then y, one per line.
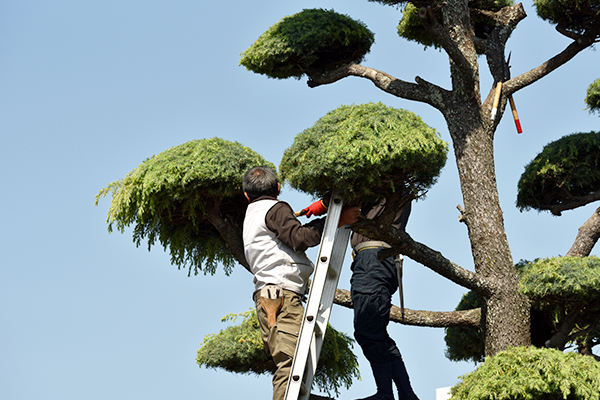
pixel 280 340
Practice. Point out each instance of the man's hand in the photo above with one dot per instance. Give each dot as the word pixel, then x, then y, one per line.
pixel 317 208
pixel 349 215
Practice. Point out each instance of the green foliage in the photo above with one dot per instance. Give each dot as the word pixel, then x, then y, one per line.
pixel 592 98
pixel 566 168
pixel 313 40
pixel 465 343
pixel 562 279
pixel 365 150
pixel 531 374
pixel 240 349
pixel 171 196
pixel 410 26
pixel 575 16
pixel 559 288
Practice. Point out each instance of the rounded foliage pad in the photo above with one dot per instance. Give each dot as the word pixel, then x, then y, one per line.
pixel 562 280
pixel 365 150
pixel 240 349
pixel 566 169
pixel 310 41
pixel 175 196
pixel 531 373
pixel 575 16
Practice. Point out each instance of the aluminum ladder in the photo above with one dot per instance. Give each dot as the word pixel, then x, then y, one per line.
pixel 334 243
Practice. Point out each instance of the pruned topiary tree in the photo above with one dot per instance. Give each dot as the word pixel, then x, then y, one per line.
pixel 464 30
pixel 304 45
pixel 312 40
pixel 190 198
pixel 563 176
pixel 566 291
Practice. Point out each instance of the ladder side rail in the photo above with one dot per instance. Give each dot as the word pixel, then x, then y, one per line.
pixel 307 329
pixel 335 267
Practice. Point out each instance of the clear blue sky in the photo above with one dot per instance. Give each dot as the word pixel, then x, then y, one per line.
pixel 89 90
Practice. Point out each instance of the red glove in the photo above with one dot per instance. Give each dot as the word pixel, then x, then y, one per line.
pixel 316 208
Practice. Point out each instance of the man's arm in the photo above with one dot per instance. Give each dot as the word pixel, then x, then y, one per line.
pixel 282 220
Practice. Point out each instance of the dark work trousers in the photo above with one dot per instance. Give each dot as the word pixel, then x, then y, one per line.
pixel 373 283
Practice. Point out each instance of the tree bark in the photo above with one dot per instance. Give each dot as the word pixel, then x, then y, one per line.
pixel 230 232
pixel 506 311
pixel 432 319
pixel 588 235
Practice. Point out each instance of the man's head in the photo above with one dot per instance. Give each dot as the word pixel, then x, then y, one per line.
pixel 260 181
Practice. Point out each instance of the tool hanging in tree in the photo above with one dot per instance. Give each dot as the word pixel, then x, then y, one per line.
pixel 398 260
pixel 506 76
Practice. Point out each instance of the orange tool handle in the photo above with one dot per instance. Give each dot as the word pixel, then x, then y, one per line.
pixel 514 113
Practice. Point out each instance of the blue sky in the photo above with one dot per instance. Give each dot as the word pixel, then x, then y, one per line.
pixel 89 90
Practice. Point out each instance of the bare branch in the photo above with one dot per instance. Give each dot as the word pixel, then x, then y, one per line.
pixel 506 22
pixel 436 319
pixel 532 76
pixel 423 91
pixel 433 319
pixel 574 202
pixel 587 237
pixel 402 243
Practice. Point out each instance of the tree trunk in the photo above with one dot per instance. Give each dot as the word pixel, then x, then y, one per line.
pixel 506 312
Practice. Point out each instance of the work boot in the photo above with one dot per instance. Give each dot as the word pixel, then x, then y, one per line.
pixel 400 377
pixel 382 372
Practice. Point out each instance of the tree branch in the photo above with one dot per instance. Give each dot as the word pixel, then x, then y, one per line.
pixel 506 22
pixel 456 38
pixel 587 237
pixel 424 91
pixel 230 232
pixel 402 243
pixel 532 76
pixel 433 319
pixel 573 202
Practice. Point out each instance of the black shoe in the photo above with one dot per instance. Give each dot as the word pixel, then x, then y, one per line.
pixel 382 372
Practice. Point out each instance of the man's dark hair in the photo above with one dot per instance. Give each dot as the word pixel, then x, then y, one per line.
pixel 260 181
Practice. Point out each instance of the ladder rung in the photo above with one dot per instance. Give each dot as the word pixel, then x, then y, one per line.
pixel 303 389
pixel 318 330
pixel 331 272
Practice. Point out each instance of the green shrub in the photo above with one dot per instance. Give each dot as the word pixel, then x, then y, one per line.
pixel 562 280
